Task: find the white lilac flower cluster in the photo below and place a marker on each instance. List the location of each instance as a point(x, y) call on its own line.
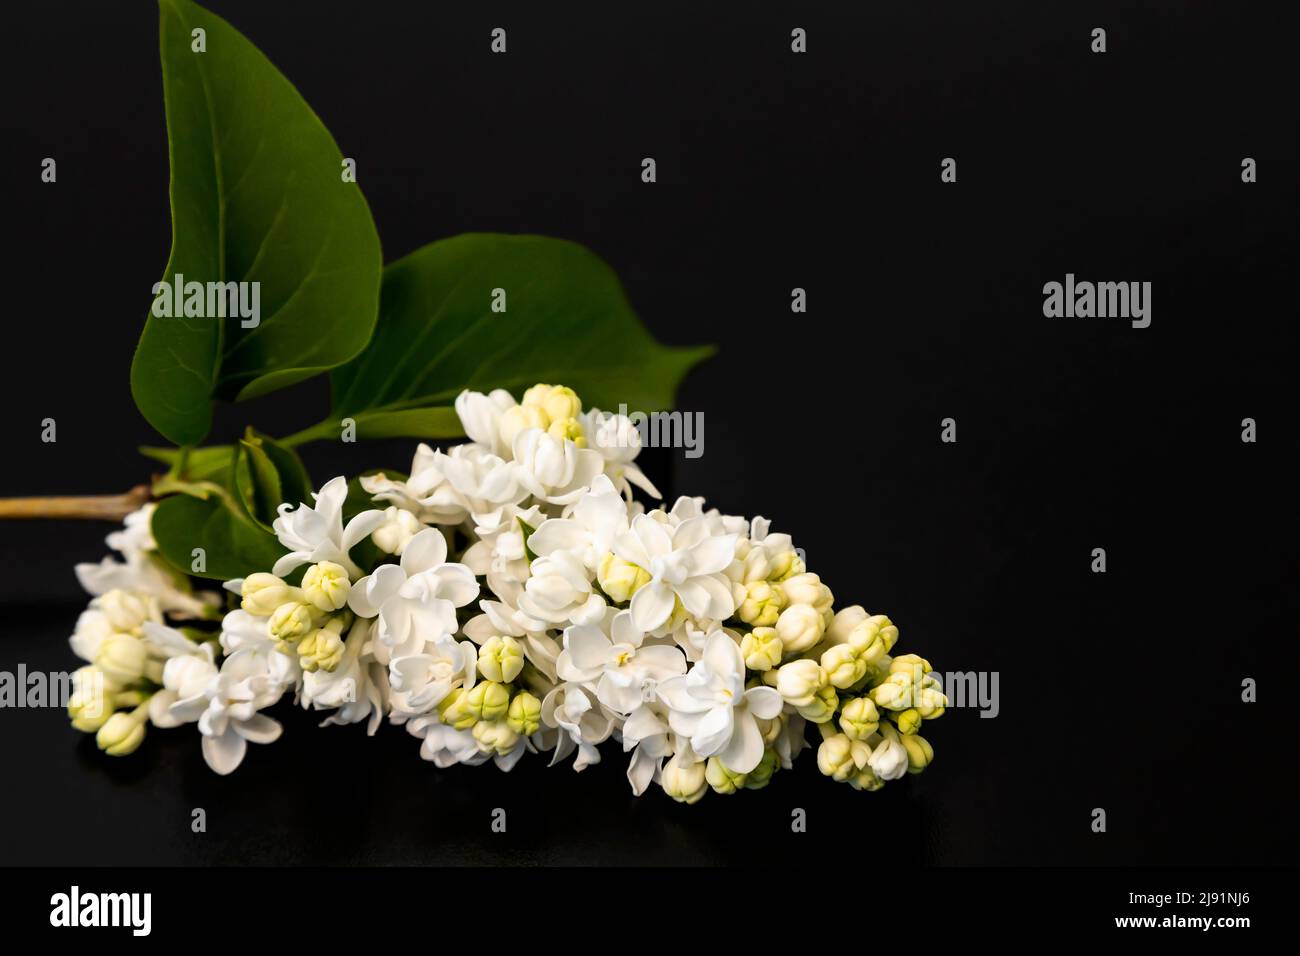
point(523, 601)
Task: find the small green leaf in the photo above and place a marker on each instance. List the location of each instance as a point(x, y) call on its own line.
point(526, 530)
point(233, 546)
point(257, 196)
point(566, 322)
point(199, 464)
point(439, 422)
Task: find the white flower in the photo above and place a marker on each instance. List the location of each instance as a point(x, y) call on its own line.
point(427, 493)
point(143, 571)
point(554, 469)
point(317, 534)
point(444, 745)
point(188, 674)
point(243, 687)
point(415, 600)
point(396, 532)
point(480, 415)
point(683, 562)
point(355, 690)
point(647, 735)
point(92, 629)
point(618, 442)
point(422, 681)
point(612, 660)
point(597, 519)
point(711, 706)
point(500, 553)
point(559, 591)
point(247, 636)
point(575, 711)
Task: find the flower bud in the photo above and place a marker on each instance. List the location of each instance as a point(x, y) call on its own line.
point(919, 752)
point(263, 593)
point(620, 579)
point(799, 681)
point(568, 429)
point(122, 657)
point(535, 396)
point(322, 649)
point(822, 707)
point(326, 586)
point(518, 417)
point(121, 734)
point(912, 664)
point(399, 527)
point(859, 718)
point(127, 611)
point(500, 659)
point(760, 776)
point(762, 649)
point(453, 712)
point(908, 721)
point(92, 701)
point(495, 736)
point(784, 564)
point(800, 626)
point(866, 779)
point(762, 603)
point(807, 588)
point(486, 701)
point(895, 693)
point(721, 779)
point(840, 758)
point(684, 782)
point(525, 714)
point(290, 623)
point(561, 403)
point(872, 638)
point(889, 760)
point(843, 666)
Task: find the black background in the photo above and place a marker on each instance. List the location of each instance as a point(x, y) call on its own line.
point(1119, 690)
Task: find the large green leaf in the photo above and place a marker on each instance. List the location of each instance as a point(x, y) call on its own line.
point(233, 545)
point(566, 321)
point(257, 195)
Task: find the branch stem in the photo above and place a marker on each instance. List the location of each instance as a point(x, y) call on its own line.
point(90, 507)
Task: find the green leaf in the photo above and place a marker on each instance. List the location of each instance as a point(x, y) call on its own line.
point(256, 196)
point(267, 474)
point(526, 531)
point(200, 464)
point(567, 322)
point(440, 422)
point(233, 545)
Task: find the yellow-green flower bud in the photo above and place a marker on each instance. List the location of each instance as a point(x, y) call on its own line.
point(840, 758)
point(843, 666)
point(290, 623)
point(822, 708)
point(770, 730)
point(561, 403)
point(912, 664)
point(322, 649)
point(453, 712)
point(799, 681)
point(721, 779)
point(515, 419)
point(500, 659)
point(121, 734)
point(525, 714)
point(620, 579)
point(800, 627)
point(263, 593)
point(760, 776)
point(895, 693)
point(807, 588)
point(762, 604)
point(783, 565)
point(762, 649)
point(866, 779)
point(486, 701)
point(495, 736)
point(684, 782)
point(93, 699)
point(908, 721)
point(568, 429)
point(859, 718)
point(122, 658)
point(872, 636)
point(919, 752)
point(326, 586)
point(536, 395)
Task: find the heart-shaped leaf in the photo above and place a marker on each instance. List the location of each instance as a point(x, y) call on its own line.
point(258, 198)
point(486, 311)
point(232, 546)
